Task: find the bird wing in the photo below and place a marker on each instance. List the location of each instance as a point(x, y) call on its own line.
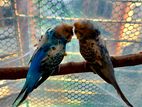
point(102, 64)
point(33, 74)
point(42, 41)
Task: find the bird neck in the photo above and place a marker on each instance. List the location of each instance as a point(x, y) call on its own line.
point(97, 38)
point(63, 39)
point(52, 34)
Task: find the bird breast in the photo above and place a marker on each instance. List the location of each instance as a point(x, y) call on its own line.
point(90, 50)
point(54, 56)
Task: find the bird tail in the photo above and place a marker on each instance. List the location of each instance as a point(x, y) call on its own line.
point(116, 86)
point(22, 96)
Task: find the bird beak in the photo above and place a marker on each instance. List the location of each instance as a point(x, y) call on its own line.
point(78, 35)
point(75, 33)
point(69, 38)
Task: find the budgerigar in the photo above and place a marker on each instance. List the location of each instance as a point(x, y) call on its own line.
point(49, 54)
point(94, 51)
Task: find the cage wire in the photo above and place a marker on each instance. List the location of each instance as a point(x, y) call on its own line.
point(22, 22)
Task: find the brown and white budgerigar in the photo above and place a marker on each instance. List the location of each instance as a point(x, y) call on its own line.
point(94, 51)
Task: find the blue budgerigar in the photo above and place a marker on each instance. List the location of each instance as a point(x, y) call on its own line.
point(94, 51)
point(49, 54)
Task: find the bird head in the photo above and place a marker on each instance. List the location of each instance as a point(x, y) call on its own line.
point(64, 31)
point(85, 29)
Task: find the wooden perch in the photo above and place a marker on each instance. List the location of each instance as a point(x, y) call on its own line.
point(72, 67)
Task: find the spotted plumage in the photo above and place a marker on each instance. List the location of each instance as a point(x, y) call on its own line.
point(48, 55)
point(93, 50)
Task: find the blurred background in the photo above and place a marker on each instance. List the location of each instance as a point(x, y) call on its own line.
point(22, 22)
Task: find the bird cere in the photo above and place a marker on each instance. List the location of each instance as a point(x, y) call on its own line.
point(51, 51)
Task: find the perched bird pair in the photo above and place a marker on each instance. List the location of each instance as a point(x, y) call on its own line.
point(49, 54)
point(51, 51)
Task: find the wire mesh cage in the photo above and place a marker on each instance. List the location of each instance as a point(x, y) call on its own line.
point(22, 22)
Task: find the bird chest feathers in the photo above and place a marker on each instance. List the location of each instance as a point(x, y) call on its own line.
point(90, 50)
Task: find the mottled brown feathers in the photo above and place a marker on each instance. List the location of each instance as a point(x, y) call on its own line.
point(64, 30)
point(85, 29)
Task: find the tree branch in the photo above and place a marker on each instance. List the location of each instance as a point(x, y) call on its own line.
point(72, 67)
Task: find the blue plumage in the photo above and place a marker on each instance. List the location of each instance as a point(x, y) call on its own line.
point(49, 55)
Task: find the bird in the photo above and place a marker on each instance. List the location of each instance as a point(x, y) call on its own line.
point(94, 51)
point(48, 55)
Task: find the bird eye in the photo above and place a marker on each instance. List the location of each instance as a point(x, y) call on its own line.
point(66, 30)
point(92, 44)
point(82, 28)
point(53, 48)
point(75, 31)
